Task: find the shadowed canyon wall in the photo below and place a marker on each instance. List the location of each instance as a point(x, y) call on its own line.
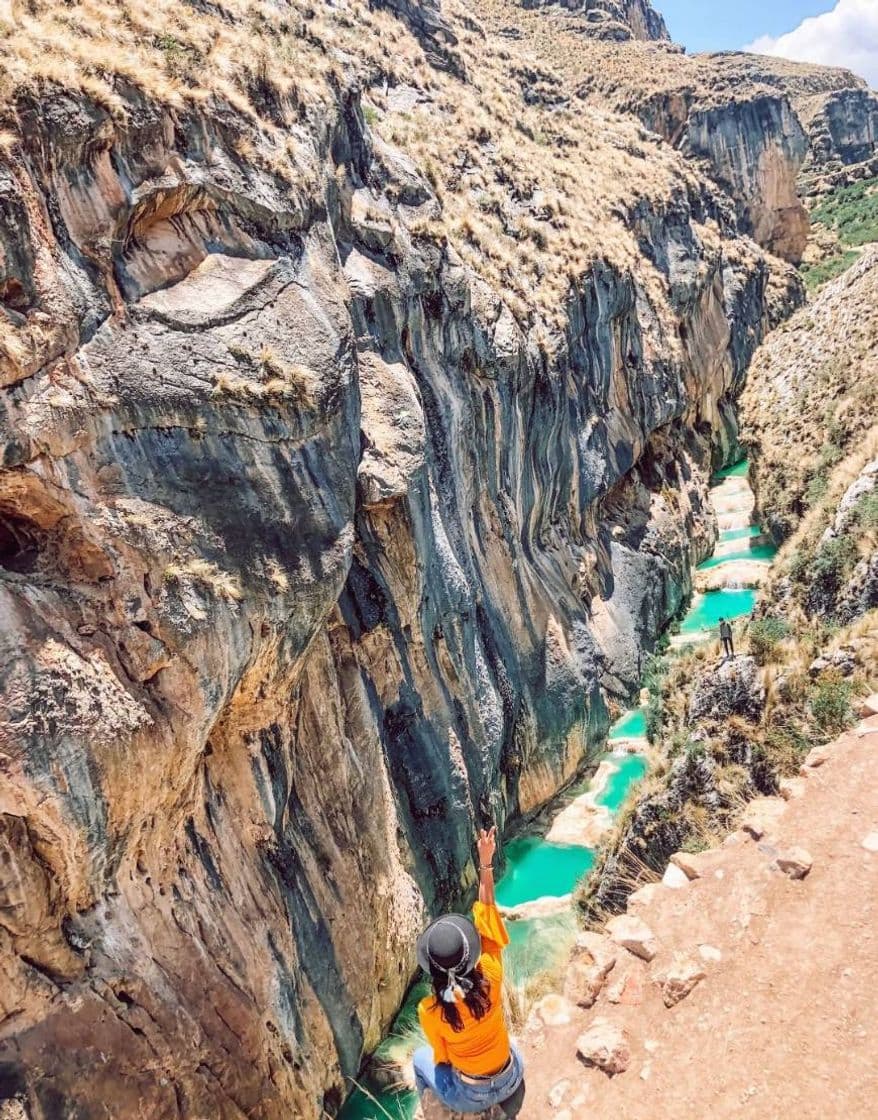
point(313, 556)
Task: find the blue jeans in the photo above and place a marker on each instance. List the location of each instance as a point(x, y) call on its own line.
point(465, 1096)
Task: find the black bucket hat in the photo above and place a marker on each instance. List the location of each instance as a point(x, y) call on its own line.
point(451, 944)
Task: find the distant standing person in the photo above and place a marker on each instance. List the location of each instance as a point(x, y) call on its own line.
point(728, 639)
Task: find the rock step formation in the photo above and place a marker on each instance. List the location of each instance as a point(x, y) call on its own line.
point(761, 934)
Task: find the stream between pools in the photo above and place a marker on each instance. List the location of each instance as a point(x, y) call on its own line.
point(539, 869)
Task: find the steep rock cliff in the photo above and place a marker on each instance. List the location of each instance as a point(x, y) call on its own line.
point(318, 544)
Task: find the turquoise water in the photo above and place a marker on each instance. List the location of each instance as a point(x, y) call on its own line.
point(708, 609)
point(631, 726)
point(539, 944)
point(740, 534)
point(754, 552)
point(538, 869)
point(737, 470)
point(631, 769)
point(399, 1106)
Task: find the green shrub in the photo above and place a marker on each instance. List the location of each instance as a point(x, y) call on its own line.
point(831, 565)
point(852, 212)
point(785, 747)
point(866, 510)
point(831, 703)
point(765, 636)
point(816, 489)
point(816, 275)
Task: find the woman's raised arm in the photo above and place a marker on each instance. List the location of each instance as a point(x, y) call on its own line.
point(487, 845)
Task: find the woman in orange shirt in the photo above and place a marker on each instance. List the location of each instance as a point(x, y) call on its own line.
point(470, 1063)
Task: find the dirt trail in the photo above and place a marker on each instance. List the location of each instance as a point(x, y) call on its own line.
point(784, 1023)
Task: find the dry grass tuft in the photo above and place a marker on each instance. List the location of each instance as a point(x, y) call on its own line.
point(208, 575)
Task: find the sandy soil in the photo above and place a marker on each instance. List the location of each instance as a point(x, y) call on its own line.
point(785, 1022)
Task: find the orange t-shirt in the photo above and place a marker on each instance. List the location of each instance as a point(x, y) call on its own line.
point(482, 1047)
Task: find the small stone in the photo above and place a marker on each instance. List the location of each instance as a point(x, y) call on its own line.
point(646, 1072)
point(634, 935)
point(554, 1010)
point(606, 1046)
point(818, 756)
point(795, 862)
point(674, 877)
point(709, 953)
point(643, 896)
point(593, 959)
point(583, 983)
point(791, 789)
point(596, 948)
point(679, 978)
point(869, 707)
point(871, 842)
point(557, 1093)
point(650, 1046)
point(627, 985)
point(762, 816)
point(690, 863)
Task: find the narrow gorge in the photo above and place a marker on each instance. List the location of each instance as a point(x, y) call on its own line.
point(363, 371)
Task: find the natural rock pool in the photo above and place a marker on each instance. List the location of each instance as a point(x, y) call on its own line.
point(538, 869)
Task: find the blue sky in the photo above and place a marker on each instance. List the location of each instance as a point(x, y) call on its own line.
point(829, 32)
point(705, 25)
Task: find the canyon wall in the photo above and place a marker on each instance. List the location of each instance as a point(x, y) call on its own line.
point(316, 551)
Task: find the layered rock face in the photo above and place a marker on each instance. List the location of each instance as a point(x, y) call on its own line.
point(756, 152)
point(836, 109)
point(314, 554)
point(615, 20)
point(846, 130)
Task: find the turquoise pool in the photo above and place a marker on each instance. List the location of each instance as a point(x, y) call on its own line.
point(740, 534)
point(737, 470)
point(538, 869)
point(631, 726)
point(630, 770)
point(754, 552)
point(708, 609)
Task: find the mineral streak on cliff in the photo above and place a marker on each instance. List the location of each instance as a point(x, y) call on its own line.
point(355, 436)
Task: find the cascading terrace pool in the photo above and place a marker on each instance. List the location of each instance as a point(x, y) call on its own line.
point(538, 869)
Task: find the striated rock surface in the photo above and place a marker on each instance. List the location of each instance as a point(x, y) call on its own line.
point(614, 20)
point(329, 514)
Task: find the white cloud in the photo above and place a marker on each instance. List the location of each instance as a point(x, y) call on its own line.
point(846, 36)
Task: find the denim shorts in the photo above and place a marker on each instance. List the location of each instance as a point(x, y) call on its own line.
point(466, 1096)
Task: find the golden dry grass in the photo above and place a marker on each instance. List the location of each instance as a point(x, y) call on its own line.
point(530, 197)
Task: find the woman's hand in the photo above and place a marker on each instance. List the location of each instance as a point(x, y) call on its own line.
point(487, 846)
point(486, 842)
